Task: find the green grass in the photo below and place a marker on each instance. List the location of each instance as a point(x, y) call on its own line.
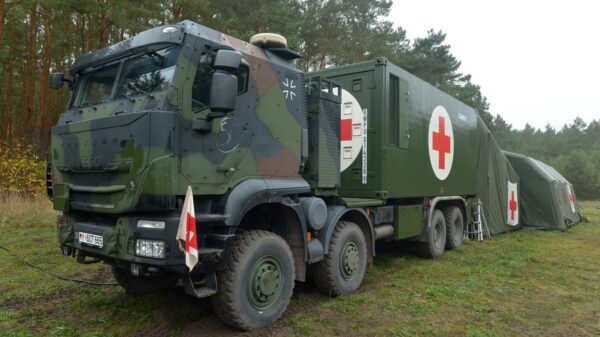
point(525, 283)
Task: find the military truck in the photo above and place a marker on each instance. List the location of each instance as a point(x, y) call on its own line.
point(287, 169)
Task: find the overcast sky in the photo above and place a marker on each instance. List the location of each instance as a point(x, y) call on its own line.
point(537, 62)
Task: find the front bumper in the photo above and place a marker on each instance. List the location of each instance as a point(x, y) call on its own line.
point(119, 235)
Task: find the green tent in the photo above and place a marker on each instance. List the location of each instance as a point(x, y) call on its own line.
point(497, 185)
point(547, 198)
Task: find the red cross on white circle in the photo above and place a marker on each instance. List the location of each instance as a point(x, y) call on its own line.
point(512, 215)
point(441, 142)
point(352, 134)
point(570, 197)
point(512, 205)
point(346, 129)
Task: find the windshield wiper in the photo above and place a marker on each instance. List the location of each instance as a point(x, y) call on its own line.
point(138, 92)
point(130, 98)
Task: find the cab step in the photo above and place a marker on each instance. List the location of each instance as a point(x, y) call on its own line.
point(207, 288)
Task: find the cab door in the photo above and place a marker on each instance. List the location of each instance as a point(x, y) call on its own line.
point(214, 146)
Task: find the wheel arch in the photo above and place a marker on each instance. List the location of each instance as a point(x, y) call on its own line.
point(267, 204)
point(440, 202)
point(253, 192)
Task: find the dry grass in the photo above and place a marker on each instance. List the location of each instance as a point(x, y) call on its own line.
point(17, 210)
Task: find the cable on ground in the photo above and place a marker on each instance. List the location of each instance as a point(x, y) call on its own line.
point(60, 277)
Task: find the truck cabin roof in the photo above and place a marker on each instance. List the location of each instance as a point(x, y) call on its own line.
point(163, 36)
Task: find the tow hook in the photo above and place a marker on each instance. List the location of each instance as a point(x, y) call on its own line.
point(83, 259)
point(66, 251)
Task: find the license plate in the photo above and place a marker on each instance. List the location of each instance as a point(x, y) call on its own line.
point(91, 239)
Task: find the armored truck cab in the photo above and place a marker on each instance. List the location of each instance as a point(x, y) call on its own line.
point(261, 148)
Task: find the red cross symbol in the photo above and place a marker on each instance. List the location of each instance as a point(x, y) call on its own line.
point(570, 196)
point(441, 143)
point(346, 129)
point(512, 205)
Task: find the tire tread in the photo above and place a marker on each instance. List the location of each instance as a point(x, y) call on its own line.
point(426, 249)
point(224, 300)
point(324, 273)
point(448, 215)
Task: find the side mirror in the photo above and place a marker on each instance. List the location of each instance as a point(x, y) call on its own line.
point(227, 60)
point(57, 80)
point(223, 91)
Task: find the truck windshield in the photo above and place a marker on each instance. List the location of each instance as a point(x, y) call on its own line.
point(142, 74)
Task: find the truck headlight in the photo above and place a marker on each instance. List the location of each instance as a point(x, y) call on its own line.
point(151, 224)
point(150, 248)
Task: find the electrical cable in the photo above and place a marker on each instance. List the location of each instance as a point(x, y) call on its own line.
point(60, 277)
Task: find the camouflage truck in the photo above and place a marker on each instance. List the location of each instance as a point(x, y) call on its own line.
point(287, 169)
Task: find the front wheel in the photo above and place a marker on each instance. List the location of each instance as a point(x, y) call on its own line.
point(258, 280)
point(343, 268)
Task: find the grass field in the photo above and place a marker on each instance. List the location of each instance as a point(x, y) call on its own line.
point(525, 283)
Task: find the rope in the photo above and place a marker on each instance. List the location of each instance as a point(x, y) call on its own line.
point(60, 277)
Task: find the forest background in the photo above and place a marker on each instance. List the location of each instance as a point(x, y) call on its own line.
point(40, 37)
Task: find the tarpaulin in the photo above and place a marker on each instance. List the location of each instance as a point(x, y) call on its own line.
point(547, 198)
point(498, 184)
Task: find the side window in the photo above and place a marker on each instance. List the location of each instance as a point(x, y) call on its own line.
point(203, 80)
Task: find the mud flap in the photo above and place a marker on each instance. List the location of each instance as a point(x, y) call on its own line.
point(64, 233)
point(61, 197)
point(110, 240)
point(124, 239)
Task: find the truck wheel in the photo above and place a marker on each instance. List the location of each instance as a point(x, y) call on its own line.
point(435, 236)
point(343, 268)
point(257, 282)
point(454, 227)
point(145, 284)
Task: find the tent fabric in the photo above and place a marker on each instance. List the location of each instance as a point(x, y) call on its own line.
point(494, 176)
point(547, 198)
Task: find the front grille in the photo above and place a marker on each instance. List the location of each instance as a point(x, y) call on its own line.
point(96, 200)
point(98, 178)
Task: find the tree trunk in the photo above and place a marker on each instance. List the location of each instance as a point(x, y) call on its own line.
point(2, 112)
point(9, 80)
point(89, 33)
point(322, 61)
point(43, 102)
point(177, 12)
point(103, 27)
point(1, 19)
point(81, 32)
point(29, 72)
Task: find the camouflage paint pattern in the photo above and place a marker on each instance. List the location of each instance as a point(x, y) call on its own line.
point(140, 153)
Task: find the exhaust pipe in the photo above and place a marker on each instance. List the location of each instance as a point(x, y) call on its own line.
point(384, 231)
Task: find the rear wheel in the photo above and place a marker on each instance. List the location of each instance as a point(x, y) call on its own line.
point(258, 280)
point(435, 236)
point(343, 268)
point(454, 227)
point(144, 284)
